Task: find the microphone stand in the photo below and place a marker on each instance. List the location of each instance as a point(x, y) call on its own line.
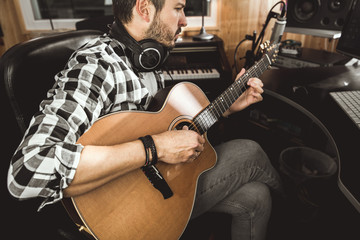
point(203, 35)
point(50, 18)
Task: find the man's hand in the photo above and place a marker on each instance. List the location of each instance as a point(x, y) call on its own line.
point(178, 146)
point(250, 96)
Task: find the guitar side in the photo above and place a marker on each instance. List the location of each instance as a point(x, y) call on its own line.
point(129, 207)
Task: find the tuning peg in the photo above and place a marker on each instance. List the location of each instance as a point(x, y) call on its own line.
point(262, 48)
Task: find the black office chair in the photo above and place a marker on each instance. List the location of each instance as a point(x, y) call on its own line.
point(98, 23)
point(27, 71)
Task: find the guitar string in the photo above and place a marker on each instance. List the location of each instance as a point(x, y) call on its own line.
point(210, 114)
point(239, 86)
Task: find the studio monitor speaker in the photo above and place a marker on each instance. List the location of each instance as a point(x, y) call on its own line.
point(317, 14)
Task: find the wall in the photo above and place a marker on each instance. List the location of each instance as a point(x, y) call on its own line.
point(241, 17)
point(11, 23)
point(236, 19)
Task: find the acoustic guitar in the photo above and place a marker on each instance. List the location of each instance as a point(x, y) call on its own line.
point(155, 202)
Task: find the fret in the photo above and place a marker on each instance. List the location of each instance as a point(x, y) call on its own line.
point(211, 119)
point(262, 66)
point(206, 118)
point(200, 127)
point(242, 84)
point(255, 72)
point(228, 98)
point(268, 59)
point(220, 103)
point(231, 90)
point(200, 124)
point(214, 110)
point(225, 100)
point(258, 71)
point(239, 84)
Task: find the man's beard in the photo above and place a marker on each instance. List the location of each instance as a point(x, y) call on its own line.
point(161, 33)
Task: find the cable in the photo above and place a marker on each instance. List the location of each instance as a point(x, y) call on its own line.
point(247, 37)
point(235, 54)
point(251, 57)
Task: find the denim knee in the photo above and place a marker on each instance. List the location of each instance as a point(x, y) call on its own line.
point(254, 150)
point(244, 152)
point(255, 199)
point(249, 161)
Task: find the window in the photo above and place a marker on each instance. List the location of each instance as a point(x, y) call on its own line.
point(193, 12)
point(55, 14)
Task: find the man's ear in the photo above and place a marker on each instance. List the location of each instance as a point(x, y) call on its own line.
point(143, 9)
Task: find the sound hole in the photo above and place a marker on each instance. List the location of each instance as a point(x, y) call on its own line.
point(180, 125)
point(185, 122)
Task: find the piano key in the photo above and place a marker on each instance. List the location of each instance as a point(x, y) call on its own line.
point(188, 74)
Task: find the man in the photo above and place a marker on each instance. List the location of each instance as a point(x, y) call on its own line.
point(101, 78)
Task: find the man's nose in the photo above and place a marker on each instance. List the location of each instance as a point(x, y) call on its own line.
point(183, 20)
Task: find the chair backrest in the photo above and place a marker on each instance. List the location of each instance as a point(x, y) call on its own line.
point(27, 69)
point(98, 23)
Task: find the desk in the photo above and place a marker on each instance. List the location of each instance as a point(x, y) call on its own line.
point(309, 87)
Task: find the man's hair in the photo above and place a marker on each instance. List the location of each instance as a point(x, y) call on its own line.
point(123, 9)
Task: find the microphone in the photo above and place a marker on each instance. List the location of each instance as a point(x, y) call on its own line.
point(278, 29)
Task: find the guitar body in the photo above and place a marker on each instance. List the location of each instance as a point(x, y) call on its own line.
point(129, 207)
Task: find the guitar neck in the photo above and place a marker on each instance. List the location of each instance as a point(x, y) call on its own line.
point(211, 114)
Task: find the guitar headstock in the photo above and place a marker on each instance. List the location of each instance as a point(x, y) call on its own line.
point(270, 50)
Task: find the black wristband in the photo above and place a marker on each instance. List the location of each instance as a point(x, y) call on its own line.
point(149, 145)
point(154, 159)
point(147, 159)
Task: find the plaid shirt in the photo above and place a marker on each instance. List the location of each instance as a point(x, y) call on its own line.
point(97, 80)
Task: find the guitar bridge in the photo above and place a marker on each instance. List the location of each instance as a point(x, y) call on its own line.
point(157, 180)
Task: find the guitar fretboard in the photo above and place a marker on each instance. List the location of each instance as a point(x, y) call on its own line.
point(211, 114)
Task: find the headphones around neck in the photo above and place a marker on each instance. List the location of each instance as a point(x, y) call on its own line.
point(146, 55)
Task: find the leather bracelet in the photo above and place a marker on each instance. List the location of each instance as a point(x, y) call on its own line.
point(154, 155)
point(149, 145)
point(147, 159)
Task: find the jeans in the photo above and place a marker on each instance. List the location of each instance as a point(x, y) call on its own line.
point(239, 185)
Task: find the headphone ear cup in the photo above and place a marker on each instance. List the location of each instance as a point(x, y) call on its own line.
point(146, 55)
point(153, 54)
